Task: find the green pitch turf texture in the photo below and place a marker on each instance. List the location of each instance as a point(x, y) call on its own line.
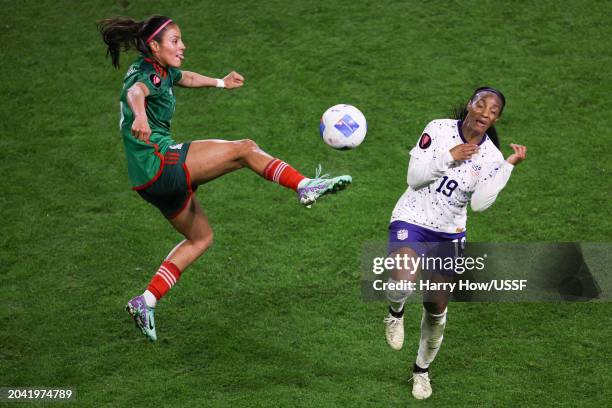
point(271, 315)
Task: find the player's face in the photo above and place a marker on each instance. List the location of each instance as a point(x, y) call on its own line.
point(483, 111)
point(171, 48)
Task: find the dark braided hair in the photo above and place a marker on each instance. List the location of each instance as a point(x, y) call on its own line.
point(124, 33)
point(460, 112)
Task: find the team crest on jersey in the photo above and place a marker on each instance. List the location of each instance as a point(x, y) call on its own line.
point(155, 80)
point(475, 170)
point(425, 141)
point(402, 234)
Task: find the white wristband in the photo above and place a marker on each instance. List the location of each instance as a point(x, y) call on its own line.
point(220, 83)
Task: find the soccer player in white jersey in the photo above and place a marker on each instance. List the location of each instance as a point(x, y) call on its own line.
point(455, 163)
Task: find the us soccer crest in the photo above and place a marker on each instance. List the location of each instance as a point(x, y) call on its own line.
point(402, 234)
point(475, 170)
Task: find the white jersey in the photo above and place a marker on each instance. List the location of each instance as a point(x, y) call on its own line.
point(440, 188)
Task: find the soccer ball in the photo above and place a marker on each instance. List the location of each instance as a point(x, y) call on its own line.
point(343, 127)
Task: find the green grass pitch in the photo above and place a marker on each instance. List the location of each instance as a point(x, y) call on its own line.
point(272, 314)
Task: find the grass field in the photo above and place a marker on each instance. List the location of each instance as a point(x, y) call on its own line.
point(272, 314)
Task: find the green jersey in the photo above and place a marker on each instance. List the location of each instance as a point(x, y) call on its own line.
point(144, 159)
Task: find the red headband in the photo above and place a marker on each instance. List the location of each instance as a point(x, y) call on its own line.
point(161, 27)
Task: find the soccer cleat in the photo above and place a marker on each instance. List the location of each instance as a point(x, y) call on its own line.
point(421, 386)
point(143, 316)
point(311, 189)
point(394, 331)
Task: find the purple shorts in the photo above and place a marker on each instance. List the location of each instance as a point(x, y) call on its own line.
point(425, 242)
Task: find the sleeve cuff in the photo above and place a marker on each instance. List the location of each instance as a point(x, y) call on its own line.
point(448, 158)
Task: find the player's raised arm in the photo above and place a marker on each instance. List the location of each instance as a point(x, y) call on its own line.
point(429, 161)
point(495, 180)
point(194, 80)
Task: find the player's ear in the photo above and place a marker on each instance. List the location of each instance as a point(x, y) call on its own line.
point(154, 45)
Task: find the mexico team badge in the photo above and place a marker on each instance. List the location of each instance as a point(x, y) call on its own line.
point(155, 80)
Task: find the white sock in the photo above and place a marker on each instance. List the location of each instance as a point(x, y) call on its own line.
point(432, 334)
point(397, 297)
point(303, 182)
point(150, 298)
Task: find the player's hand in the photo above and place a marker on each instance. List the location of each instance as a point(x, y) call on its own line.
point(463, 151)
point(520, 152)
point(233, 80)
point(141, 129)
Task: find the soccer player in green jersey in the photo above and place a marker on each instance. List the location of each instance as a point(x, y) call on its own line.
point(165, 173)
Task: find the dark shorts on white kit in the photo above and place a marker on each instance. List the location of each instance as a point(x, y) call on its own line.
point(425, 242)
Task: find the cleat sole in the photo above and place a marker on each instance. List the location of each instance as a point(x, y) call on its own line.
point(136, 318)
point(339, 186)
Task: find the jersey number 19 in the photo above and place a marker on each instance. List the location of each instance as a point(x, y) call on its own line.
point(449, 188)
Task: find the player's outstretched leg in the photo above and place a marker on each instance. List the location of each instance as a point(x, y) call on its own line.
point(209, 159)
point(193, 224)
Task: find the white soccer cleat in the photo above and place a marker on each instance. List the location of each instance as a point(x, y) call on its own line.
point(421, 386)
point(394, 331)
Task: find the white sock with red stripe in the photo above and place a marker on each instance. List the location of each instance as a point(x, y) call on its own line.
point(283, 174)
point(166, 277)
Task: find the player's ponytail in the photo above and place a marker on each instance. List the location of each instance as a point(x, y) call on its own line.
point(460, 112)
point(124, 33)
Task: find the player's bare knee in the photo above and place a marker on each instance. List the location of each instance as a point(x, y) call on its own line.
point(247, 146)
point(203, 243)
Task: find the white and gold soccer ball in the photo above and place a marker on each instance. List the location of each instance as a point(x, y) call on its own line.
point(343, 127)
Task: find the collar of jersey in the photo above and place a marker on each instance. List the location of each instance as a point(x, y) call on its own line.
point(161, 70)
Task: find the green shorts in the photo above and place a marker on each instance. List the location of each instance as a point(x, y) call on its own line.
point(173, 188)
